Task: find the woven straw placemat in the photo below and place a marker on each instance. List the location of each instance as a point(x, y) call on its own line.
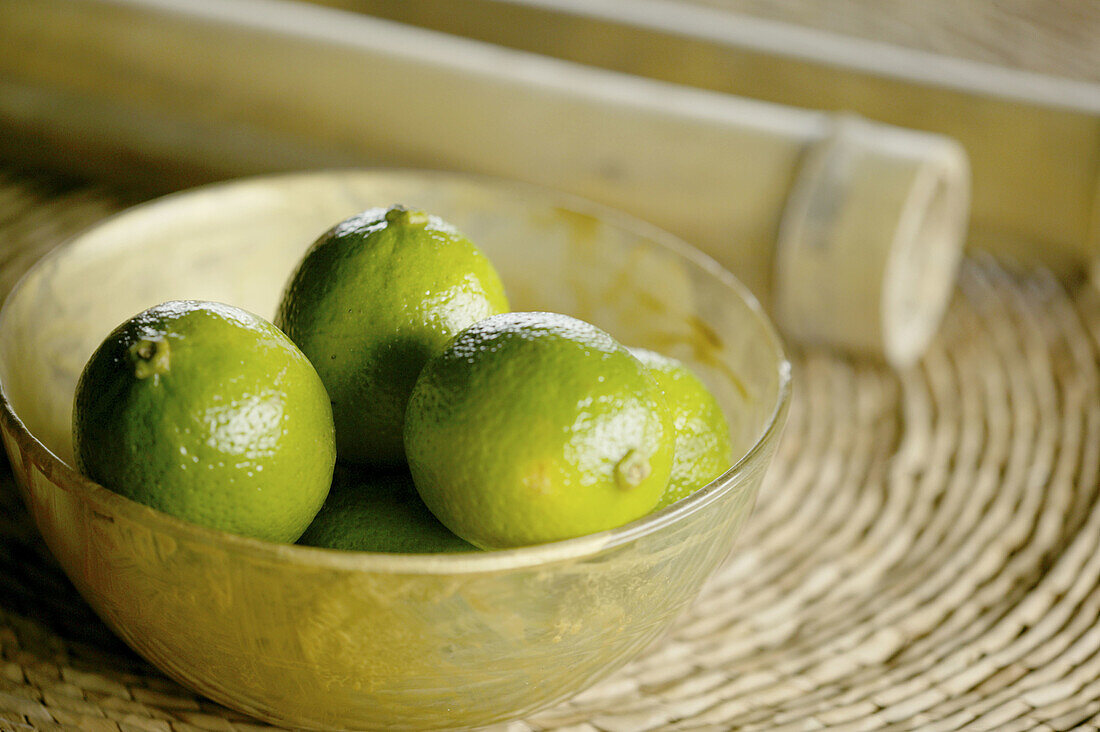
point(925, 553)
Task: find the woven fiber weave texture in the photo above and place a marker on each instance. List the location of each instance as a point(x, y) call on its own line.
point(925, 553)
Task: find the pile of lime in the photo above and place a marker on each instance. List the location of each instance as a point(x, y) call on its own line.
point(395, 404)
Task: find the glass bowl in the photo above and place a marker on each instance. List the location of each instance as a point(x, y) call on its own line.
point(327, 639)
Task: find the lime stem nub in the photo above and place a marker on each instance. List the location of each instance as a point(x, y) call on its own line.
point(632, 470)
point(150, 357)
point(398, 214)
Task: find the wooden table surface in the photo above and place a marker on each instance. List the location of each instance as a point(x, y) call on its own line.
point(1060, 38)
point(1056, 37)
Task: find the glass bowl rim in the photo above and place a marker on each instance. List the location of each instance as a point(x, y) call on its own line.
point(65, 477)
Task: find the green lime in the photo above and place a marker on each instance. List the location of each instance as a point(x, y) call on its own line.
point(209, 413)
point(372, 299)
point(367, 512)
point(703, 447)
point(533, 427)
